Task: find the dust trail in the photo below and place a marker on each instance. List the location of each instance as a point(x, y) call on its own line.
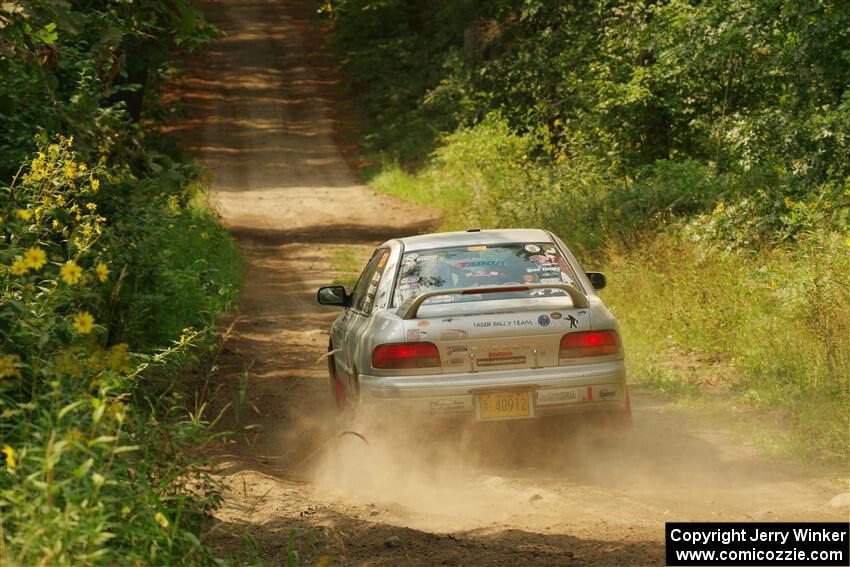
point(540, 474)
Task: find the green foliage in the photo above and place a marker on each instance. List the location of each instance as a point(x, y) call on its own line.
point(99, 465)
point(108, 261)
point(86, 69)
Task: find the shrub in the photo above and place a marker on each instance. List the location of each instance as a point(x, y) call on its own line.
point(96, 442)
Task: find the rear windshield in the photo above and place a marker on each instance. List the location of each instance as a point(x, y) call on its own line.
point(481, 266)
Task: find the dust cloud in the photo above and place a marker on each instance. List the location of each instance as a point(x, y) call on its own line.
point(554, 474)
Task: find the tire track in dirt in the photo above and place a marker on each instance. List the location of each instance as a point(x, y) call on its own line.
point(259, 121)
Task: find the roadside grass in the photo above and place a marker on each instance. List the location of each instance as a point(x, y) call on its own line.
point(769, 331)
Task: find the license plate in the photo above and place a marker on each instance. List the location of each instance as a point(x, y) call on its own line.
point(499, 405)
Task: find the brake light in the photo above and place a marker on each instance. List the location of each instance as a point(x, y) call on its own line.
point(589, 343)
point(406, 355)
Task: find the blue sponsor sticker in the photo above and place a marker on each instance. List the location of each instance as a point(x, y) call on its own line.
point(543, 320)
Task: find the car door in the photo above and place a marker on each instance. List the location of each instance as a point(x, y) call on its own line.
point(357, 315)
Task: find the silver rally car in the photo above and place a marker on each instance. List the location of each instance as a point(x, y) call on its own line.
point(493, 324)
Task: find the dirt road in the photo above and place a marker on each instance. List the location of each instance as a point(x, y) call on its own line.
point(259, 120)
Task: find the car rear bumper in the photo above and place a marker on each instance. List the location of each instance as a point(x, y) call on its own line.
point(585, 388)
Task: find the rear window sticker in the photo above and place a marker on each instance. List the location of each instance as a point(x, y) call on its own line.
point(383, 261)
point(467, 265)
point(550, 280)
point(532, 248)
point(409, 279)
point(550, 250)
point(548, 259)
point(479, 248)
point(527, 278)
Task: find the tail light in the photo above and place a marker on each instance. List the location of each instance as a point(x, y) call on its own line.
point(406, 355)
point(589, 343)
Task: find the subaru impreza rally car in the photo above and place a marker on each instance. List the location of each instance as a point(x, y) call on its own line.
point(487, 324)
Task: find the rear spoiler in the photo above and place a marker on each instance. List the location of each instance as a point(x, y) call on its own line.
point(410, 308)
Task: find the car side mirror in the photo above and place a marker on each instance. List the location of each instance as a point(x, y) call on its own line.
point(333, 295)
point(597, 280)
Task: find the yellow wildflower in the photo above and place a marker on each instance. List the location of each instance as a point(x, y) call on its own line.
point(23, 214)
point(102, 272)
point(161, 519)
point(71, 272)
point(95, 184)
point(83, 167)
point(83, 322)
point(35, 258)
point(789, 202)
point(91, 207)
point(19, 268)
point(56, 225)
point(9, 457)
point(721, 206)
point(70, 169)
point(7, 366)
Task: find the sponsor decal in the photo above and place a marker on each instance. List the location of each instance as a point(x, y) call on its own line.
point(453, 335)
point(455, 361)
point(503, 360)
point(479, 264)
point(555, 315)
point(448, 405)
point(424, 323)
point(573, 322)
point(560, 396)
point(453, 349)
point(605, 393)
point(543, 320)
point(509, 323)
point(545, 259)
point(532, 248)
point(499, 354)
point(414, 334)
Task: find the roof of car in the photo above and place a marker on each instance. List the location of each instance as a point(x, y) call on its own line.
point(473, 237)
